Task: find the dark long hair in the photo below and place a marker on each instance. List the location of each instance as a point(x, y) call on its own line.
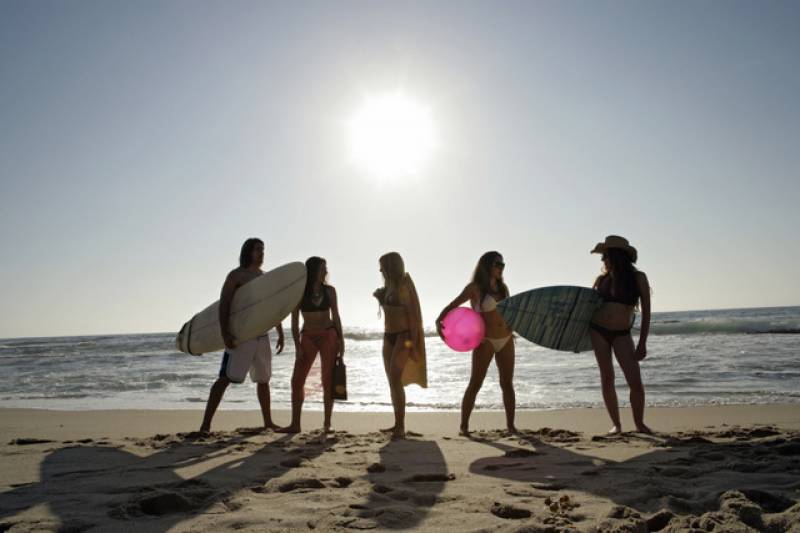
point(622, 272)
point(313, 266)
point(246, 255)
point(483, 275)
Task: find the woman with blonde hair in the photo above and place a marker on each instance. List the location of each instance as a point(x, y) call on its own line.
point(403, 338)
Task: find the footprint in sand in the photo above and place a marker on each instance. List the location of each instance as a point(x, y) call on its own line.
point(509, 512)
point(302, 483)
point(167, 499)
point(521, 452)
point(518, 492)
point(423, 499)
point(553, 435)
point(376, 468)
point(382, 489)
point(385, 517)
point(738, 511)
point(343, 482)
point(429, 478)
point(26, 441)
point(547, 485)
point(501, 466)
point(294, 462)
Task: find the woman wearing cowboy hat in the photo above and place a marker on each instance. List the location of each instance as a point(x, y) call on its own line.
point(623, 288)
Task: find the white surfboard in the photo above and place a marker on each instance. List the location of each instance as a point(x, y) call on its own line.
point(257, 306)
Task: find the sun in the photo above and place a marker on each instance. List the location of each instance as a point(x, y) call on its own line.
point(391, 136)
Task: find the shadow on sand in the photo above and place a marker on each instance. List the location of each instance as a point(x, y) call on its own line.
point(755, 473)
point(82, 488)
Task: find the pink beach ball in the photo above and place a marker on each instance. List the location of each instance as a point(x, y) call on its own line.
point(463, 329)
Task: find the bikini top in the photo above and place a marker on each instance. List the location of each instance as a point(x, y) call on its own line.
point(307, 306)
point(629, 295)
point(488, 304)
point(399, 298)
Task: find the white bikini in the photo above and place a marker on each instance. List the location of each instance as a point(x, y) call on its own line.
point(487, 305)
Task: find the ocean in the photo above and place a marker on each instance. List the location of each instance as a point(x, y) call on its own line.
point(737, 356)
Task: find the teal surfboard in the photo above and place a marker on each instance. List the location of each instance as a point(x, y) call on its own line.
point(553, 317)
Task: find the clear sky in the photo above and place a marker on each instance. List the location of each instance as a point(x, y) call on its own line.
point(142, 142)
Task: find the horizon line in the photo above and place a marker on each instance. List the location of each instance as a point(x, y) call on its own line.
point(345, 327)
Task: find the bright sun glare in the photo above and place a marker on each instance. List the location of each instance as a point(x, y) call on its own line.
point(391, 136)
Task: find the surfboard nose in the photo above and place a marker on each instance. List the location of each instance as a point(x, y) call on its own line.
point(179, 339)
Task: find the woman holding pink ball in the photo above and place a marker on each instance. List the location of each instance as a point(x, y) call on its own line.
point(486, 289)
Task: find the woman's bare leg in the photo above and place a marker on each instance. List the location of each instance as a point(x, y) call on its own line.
point(397, 362)
point(327, 357)
point(602, 352)
point(387, 360)
point(504, 359)
point(481, 357)
point(624, 351)
point(299, 376)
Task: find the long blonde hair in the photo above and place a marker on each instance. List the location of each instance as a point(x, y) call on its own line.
point(394, 273)
point(396, 279)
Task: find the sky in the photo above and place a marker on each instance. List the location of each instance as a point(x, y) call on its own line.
point(142, 142)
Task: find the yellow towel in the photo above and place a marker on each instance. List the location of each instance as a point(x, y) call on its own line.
point(415, 370)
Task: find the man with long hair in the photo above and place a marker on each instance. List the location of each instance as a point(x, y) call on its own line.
point(254, 355)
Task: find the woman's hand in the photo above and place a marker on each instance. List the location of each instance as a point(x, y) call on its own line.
point(411, 344)
point(641, 351)
point(440, 328)
point(279, 344)
point(340, 352)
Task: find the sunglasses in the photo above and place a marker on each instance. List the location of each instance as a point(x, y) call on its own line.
point(499, 264)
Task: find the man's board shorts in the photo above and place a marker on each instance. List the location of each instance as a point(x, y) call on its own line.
point(254, 356)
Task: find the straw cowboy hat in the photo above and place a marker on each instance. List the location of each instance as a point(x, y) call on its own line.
point(615, 241)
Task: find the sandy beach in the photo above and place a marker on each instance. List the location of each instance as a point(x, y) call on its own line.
point(730, 468)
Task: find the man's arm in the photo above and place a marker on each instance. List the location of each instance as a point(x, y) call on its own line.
point(225, 300)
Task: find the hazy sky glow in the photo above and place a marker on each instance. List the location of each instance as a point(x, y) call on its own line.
point(142, 142)
point(392, 136)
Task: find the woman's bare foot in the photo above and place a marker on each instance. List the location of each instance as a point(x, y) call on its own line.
point(641, 428)
point(616, 430)
point(398, 433)
point(463, 431)
point(204, 430)
point(512, 430)
point(327, 429)
point(288, 429)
